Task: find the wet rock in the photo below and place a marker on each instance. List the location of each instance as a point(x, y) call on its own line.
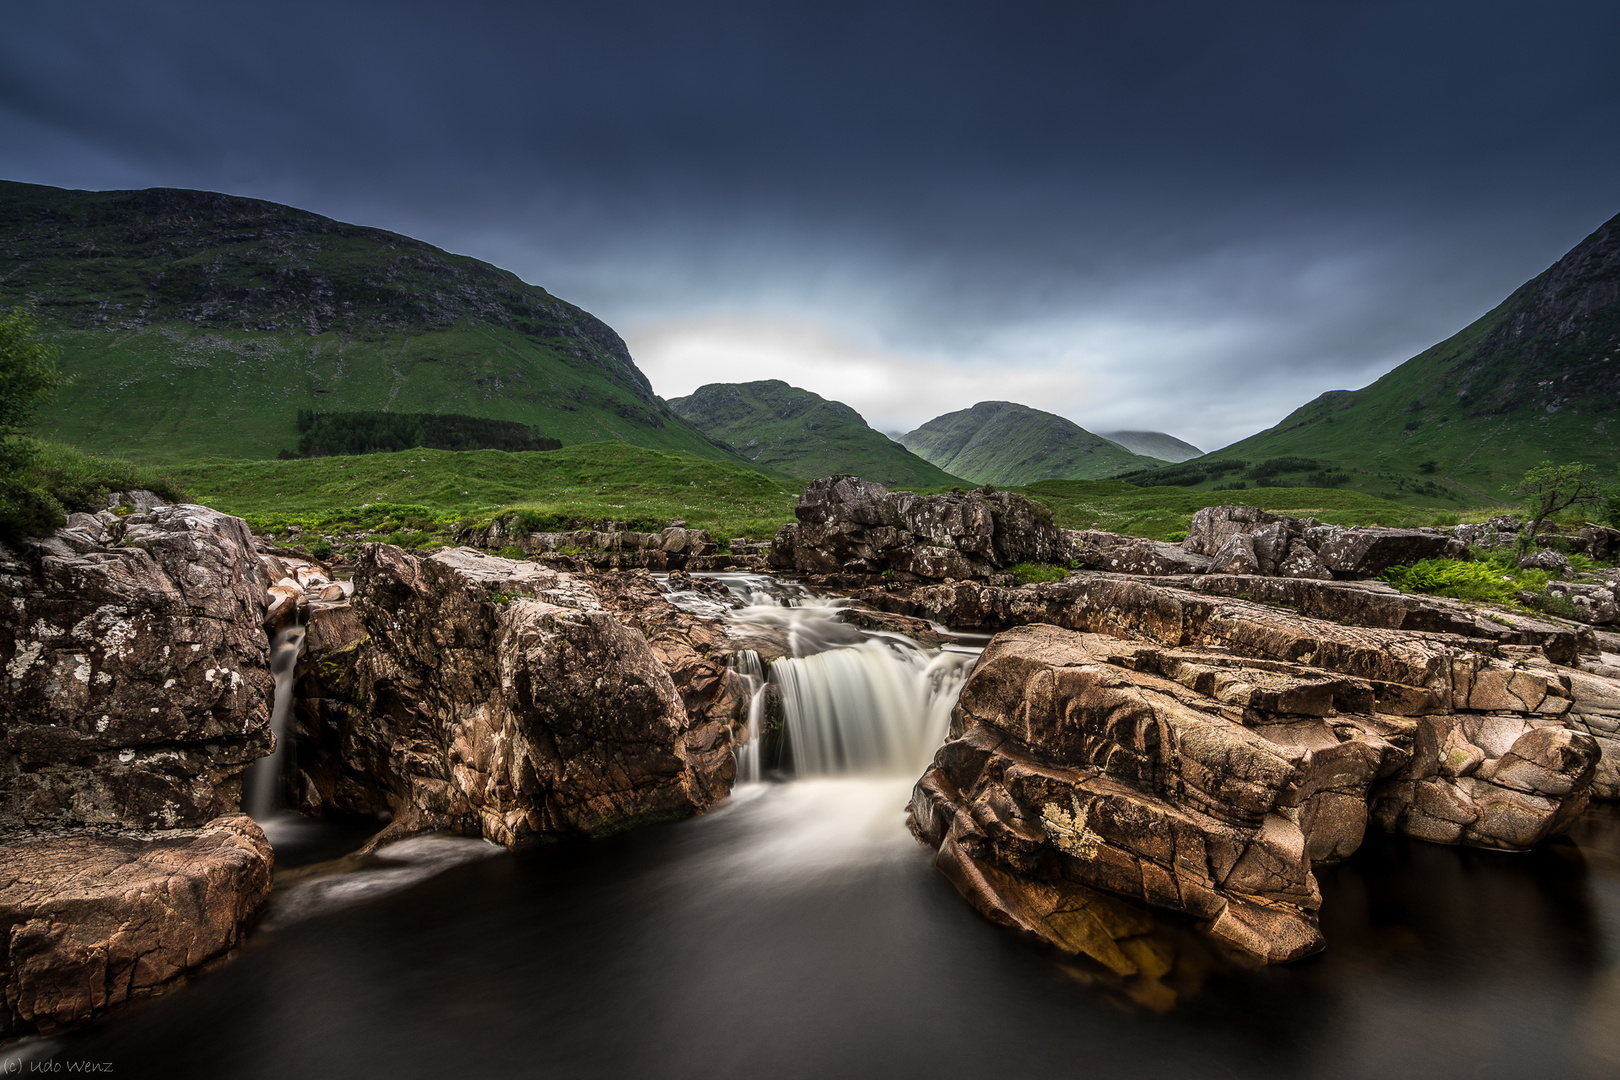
point(507, 699)
point(1420, 656)
point(91, 920)
point(1595, 710)
point(136, 685)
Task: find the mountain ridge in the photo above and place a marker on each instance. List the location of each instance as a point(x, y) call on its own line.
point(199, 323)
point(1535, 378)
point(796, 432)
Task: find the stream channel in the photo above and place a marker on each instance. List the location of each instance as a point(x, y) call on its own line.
point(797, 930)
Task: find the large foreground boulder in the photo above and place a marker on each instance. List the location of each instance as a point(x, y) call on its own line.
point(90, 920)
point(506, 699)
point(849, 525)
point(1207, 765)
point(136, 686)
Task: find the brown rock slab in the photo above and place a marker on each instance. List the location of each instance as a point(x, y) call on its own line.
point(94, 919)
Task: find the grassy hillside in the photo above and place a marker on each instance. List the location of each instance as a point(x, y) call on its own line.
point(1537, 378)
point(595, 482)
point(794, 432)
point(999, 442)
point(199, 324)
point(1154, 444)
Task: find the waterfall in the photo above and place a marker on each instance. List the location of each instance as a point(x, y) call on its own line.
point(751, 672)
point(852, 701)
point(879, 707)
point(263, 781)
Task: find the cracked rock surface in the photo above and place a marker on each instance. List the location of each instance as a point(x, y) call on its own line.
point(136, 686)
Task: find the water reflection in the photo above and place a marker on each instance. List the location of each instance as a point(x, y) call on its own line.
point(799, 930)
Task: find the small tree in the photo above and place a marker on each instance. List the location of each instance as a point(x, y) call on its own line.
point(28, 373)
point(1611, 507)
point(1550, 489)
point(28, 376)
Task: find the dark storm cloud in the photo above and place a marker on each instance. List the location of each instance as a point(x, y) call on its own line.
point(1185, 216)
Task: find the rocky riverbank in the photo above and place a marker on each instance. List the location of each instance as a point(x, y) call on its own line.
point(1199, 726)
point(460, 691)
point(1195, 727)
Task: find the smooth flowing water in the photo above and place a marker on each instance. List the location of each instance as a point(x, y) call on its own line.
point(797, 930)
point(262, 783)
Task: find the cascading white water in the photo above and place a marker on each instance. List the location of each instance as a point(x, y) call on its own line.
point(854, 702)
point(263, 779)
point(880, 707)
point(752, 673)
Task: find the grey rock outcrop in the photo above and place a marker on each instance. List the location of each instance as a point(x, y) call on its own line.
point(849, 525)
point(1247, 540)
point(613, 547)
point(136, 685)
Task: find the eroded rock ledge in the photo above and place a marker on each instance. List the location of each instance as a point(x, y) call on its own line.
point(1206, 781)
point(1201, 752)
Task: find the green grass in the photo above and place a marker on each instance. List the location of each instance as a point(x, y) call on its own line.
point(1481, 582)
point(40, 482)
point(1162, 512)
point(172, 392)
point(429, 490)
point(1028, 573)
point(1535, 379)
point(198, 325)
point(1494, 577)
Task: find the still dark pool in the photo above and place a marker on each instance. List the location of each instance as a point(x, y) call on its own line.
point(798, 931)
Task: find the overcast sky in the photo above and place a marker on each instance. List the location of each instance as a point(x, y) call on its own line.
point(1190, 217)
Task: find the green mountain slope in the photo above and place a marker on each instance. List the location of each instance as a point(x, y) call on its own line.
point(199, 324)
point(1536, 378)
point(796, 433)
point(998, 442)
point(1154, 444)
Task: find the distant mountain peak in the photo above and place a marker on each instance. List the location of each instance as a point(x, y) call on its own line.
point(797, 432)
point(1003, 442)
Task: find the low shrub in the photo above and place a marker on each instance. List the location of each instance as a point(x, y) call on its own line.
point(1477, 581)
point(41, 482)
point(1494, 578)
point(1030, 572)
